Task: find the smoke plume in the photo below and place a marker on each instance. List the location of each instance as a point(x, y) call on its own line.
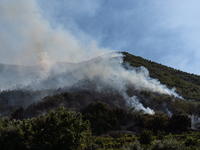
point(44, 57)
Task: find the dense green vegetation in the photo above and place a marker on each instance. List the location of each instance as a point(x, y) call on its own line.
point(51, 131)
point(60, 129)
point(89, 120)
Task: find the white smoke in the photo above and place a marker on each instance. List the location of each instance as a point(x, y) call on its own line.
point(27, 39)
point(195, 122)
point(134, 102)
point(169, 113)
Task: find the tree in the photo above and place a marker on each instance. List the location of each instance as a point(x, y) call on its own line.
point(180, 120)
point(55, 130)
point(146, 136)
point(61, 130)
point(101, 116)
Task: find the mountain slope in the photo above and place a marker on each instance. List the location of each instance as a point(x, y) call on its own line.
point(109, 76)
point(186, 84)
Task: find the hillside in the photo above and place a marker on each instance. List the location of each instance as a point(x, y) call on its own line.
point(123, 99)
point(76, 78)
point(186, 84)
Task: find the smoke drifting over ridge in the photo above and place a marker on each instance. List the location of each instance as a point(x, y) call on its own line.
point(29, 41)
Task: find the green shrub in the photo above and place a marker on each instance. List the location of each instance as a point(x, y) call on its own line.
point(118, 135)
point(6, 122)
point(158, 121)
point(190, 141)
point(101, 117)
point(55, 130)
point(67, 95)
point(133, 146)
point(180, 120)
point(172, 144)
point(160, 135)
point(157, 145)
point(146, 136)
point(92, 146)
point(168, 144)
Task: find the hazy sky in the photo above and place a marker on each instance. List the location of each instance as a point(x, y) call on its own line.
point(167, 32)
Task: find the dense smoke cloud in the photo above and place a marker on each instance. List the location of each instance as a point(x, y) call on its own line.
point(32, 44)
point(31, 40)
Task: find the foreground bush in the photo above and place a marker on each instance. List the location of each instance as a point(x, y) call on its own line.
point(133, 146)
point(55, 130)
point(190, 141)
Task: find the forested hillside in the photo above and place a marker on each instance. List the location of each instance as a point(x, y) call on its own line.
point(89, 115)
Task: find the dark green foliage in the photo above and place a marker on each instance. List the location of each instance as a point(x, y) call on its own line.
point(104, 118)
point(180, 120)
point(118, 135)
point(55, 130)
point(101, 116)
point(122, 115)
point(92, 146)
point(160, 135)
point(59, 129)
point(68, 95)
point(146, 137)
point(108, 142)
point(190, 141)
point(158, 121)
